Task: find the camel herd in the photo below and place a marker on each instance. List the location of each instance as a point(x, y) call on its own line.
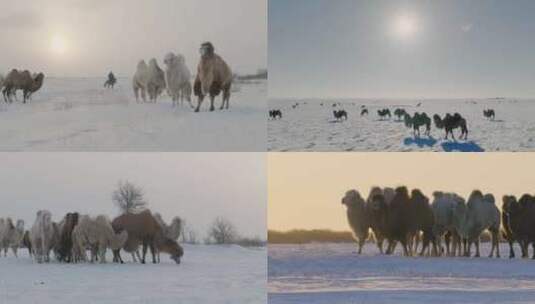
point(213, 77)
point(448, 122)
point(397, 216)
point(71, 238)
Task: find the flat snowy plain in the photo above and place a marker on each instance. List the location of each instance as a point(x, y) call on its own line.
point(78, 114)
point(207, 274)
point(334, 273)
point(312, 127)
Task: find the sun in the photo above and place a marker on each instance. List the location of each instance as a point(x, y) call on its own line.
point(405, 26)
point(58, 44)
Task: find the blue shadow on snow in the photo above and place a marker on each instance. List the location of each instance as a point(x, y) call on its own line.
point(420, 141)
point(455, 146)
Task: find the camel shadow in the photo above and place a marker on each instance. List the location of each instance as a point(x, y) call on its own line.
point(455, 146)
point(420, 141)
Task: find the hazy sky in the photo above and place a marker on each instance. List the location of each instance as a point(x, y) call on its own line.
point(90, 37)
point(196, 186)
point(408, 48)
point(305, 189)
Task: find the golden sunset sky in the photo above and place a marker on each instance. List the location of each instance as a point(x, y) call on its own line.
point(305, 189)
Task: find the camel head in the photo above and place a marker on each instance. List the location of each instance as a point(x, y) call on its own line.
point(438, 121)
point(508, 201)
point(141, 64)
point(352, 198)
point(173, 248)
point(207, 49)
point(527, 200)
point(476, 194)
point(20, 225)
point(402, 191)
point(416, 194)
point(438, 194)
point(169, 59)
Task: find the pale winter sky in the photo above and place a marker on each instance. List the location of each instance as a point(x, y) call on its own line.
point(195, 186)
point(306, 189)
point(401, 48)
point(91, 37)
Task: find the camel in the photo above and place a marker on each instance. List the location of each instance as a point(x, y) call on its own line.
point(274, 114)
point(489, 114)
point(398, 220)
point(11, 235)
point(213, 77)
point(520, 216)
point(177, 76)
point(447, 224)
point(357, 217)
point(383, 113)
point(64, 247)
point(451, 122)
point(143, 229)
point(480, 213)
point(399, 112)
point(377, 210)
point(417, 121)
point(421, 219)
point(24, 81)
point(340, 115)
point(44, 235)
point(96, 234)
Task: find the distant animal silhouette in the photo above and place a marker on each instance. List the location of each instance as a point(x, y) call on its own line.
point(489, 114)
point(451, 122)
point(274, 114)
point(364, 112)
point(383, 113)
point(340, 114)
point(417, 121)
point(399, 113)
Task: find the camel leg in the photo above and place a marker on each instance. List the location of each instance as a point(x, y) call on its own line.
point(477, 248)
point(199, 101)
point(212, 103)
point(226, 98)
point(497, 240)
point(144, 252)
point(511, 250)
point(380, 244)
point(153, 252)
point(361, 244)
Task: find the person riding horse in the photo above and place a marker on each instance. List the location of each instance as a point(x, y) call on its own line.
point(111, 81)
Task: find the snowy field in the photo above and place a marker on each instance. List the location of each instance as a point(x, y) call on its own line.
point(311, 127)
point(334, 273)
point(207, 274)
point(78, 114)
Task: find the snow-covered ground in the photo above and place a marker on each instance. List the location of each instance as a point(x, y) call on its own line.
point(311, 127)
point(78, 114)
point(334, 273)
point(207, 274)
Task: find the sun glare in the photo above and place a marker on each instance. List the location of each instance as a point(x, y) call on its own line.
point(58, 45)
point(405, 26)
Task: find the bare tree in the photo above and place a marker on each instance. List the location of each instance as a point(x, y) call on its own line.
point(222, 231)
point(129, 197)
